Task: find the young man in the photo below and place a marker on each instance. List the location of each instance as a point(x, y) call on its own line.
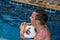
point(39, 19)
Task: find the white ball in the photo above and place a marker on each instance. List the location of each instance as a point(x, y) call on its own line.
point(30, 33)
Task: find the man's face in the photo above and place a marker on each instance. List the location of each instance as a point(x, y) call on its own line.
point(32, 18)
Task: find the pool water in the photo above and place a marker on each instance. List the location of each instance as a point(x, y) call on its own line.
point(12, 14)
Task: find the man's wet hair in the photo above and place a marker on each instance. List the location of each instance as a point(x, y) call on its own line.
point(41, 16)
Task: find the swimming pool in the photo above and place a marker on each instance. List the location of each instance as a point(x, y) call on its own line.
point(13, 13)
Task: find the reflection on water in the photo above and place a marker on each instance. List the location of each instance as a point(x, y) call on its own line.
point(3, 39)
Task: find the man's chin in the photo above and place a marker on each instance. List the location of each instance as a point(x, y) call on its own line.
point(32, 23)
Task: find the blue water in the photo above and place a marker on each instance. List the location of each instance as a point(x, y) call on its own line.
point(12, 14)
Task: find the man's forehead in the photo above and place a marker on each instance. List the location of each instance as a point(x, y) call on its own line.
point(34, 13)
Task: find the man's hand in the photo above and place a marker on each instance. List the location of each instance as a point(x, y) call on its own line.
point(22, 36)
point(23, 29)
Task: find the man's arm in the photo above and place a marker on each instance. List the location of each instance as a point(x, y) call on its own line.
point(22, 30)
point(48, 35)
point(43, 35)
point(40, 36)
